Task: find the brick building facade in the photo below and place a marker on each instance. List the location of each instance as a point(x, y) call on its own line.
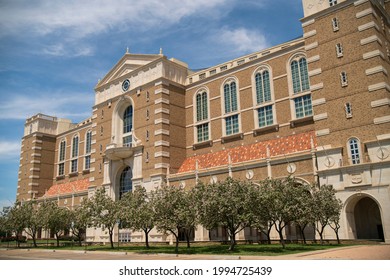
point(316, 107)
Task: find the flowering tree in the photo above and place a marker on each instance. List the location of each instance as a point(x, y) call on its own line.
point(104, 212)
point(174, 211)
point(80, 219)
point(327, 207)
point(225, 204)
point(137, 212)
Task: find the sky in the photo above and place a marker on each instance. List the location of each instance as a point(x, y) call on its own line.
point(53, 52)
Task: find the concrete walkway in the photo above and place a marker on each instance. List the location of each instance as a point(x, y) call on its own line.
point(362, 252)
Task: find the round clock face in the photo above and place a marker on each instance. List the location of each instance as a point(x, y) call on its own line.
point(329, 161)
point(126, 85)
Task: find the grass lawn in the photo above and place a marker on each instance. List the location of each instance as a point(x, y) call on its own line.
point(196, 248)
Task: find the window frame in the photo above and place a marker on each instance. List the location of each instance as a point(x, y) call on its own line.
point(75, 154)
point(88, 149)
point(230, 107)
point(201, 114)
point(354, 151)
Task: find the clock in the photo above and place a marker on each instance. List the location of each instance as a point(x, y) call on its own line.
point(329, 161)
point(291, 168)
point(126, 85)
point(382, 153)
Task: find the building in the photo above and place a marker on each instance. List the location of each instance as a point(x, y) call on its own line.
point(316, 107)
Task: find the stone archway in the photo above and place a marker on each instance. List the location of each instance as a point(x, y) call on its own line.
point(368, 220)
point(364, 218)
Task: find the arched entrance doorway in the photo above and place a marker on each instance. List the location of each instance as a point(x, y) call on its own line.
point(368, 220)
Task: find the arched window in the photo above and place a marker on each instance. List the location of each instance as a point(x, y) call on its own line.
point(263, 88)
point(127, 126)
point(61, 158)
point(354, 150)
point(202, 115)
point(125, 181)
point(231, 106)
point(300, 76)
point(88, 144)
point(201, 106)
point(230, 94)
point(75, 154)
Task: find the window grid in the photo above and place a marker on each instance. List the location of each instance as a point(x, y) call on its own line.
point(201, 106)
point(202, 132)
point(88, 142)
point(335, 24)
point(73, 166)
point(263, 88)
point(75, 146)
point(62, 151)
point(232, 126)
point(265, 116)
point(230, 94)
point(354, 150)
point(344, 79)
point(339, 50)
point(87, 162)
point(128, 119)
point(303, 106)
point(61, 169)
point(332, 2)
point(300, 76)
point(125, 182)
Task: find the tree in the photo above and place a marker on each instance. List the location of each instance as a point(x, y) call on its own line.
point(285, 198)
point(174, 211)
point(137, 212)
point(225, 204)
point(261, 201)
point(58, 220)
point(304, 215)
point(16, 222)
point(80, 218)
point(326, 208)
point(104, 212)
point(33, 214)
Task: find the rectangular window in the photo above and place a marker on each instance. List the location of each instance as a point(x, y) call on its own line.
point(127, 141)
point(202, 132)
point(88, 142)
point(73, 166)
point(303, 107)
point(87, 162)
point(339, 50)
point(62, 151)
point(265, 116)
point(75, 147)
point(61, 169)
point(232, 126)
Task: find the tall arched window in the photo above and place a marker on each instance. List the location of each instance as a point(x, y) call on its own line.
point(61, 158)
point(354, 150)
point(75, 154)
point(201, 106)
point(263, 88)
point(125, 181)
point(127, 126)
point(231, 106)
point(88, 144)
point(202, 129)
point(300, 76)
point(301, 97)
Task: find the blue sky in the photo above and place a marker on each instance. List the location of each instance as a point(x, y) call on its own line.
point(52, 52)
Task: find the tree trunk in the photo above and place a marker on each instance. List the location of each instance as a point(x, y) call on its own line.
point(58, 239)
point(188, 234)
point(110, 232)
point(232, 235)
point(146, 231)
point(302, 230)
point(281, 239)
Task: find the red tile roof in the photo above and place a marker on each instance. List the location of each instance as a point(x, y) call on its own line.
point(68, 188)
point(277, 147)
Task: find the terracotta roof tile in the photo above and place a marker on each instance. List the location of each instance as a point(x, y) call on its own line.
point(68, 188)
point(280, 146)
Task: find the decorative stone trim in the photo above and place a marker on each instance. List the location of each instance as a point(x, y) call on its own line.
point(313, 59)
point(317, 86)
point(370, 39)
point(307, 23)
point(161, 100)
point(381, 120)
point(319, 117)
point(373, 54)
point(379, 86)
point(365, 13)
point(311, 46)
point(319, 101)
point(322, 132)
point(368, 25)
point(161, 154)
point(375, 70)
point(310, 34)
point(161, 143)
point(161, 90)
point(161, 110)
point(380, 102)
point(315, 72)
point(164, 121)
point(161, 165)
point(161, 132)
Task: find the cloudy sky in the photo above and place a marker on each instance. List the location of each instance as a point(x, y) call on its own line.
point(52, 52)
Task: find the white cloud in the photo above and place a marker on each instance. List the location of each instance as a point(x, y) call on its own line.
point(60, 104)
point(69, 51)
point(82, 18)
point(243, 40)
point(9, 149)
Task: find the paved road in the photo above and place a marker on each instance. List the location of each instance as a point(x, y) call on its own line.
point(363, 252)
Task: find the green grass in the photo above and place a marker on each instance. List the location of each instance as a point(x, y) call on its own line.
point(196, 248)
